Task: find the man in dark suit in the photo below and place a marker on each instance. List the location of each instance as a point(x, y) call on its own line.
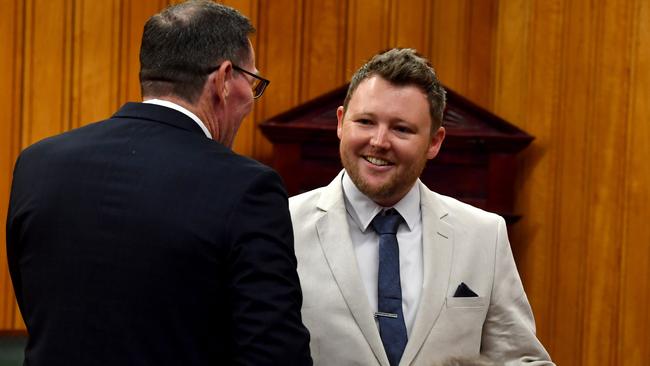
point(143, 239)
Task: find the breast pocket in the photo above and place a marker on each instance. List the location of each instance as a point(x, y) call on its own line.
point(467, 302)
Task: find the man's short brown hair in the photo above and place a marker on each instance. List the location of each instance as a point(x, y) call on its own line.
point(404, 66)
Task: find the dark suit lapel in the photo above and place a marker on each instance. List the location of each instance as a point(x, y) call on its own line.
point(158, 113)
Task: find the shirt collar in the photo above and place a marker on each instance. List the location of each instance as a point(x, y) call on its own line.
point(362, 209)
point(185, 111)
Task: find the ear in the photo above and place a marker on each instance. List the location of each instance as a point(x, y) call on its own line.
point(436, 143)
point(221, 79)
point(340, 113)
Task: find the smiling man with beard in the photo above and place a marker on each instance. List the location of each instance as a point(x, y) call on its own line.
point(393, 273)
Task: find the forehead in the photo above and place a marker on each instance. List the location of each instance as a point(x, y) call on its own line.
point(377, 95)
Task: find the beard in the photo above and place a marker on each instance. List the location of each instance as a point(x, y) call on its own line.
point(390, 191)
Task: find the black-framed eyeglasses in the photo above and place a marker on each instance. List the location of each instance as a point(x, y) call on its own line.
point(259, 83)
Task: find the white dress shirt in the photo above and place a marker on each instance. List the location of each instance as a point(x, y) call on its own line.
point(361, 210)
point(172, 105)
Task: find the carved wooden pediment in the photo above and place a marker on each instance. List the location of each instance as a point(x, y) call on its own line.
point(477, 162)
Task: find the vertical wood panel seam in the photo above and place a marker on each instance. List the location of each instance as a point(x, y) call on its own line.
point(116, 41)
point(19, 119)
point(16, 131)
point(342, 33)
point(28, 75)
point(297, 55)
point(595, 26)
point(67, 85)
point(553, 277)
point(260, 109)
point(557, 159)
point(73, 67)
point(304, 66)
point(493, 60)
point(350, 34)
point(494, 11)
point(387, 23)
point(19, 79)
point(248, 148)
point(465, 27)
point(426, 41)
point(633, 12)
point(122, 51)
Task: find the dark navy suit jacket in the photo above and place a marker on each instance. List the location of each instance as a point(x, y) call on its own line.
point(139, 241)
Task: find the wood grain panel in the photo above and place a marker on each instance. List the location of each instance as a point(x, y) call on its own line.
point(47, 73)
point(512, 64)
point(449, 42)
point(517, 39)
point(368, 31)
point(634, 339)
point(95, 71)
point(481, 45)
point(280, 39)
point(11, 57)
point(322, 64)
point(132, 18)
point(410, 25)
point(538, 184)
point(606, 146)
point(571, 198)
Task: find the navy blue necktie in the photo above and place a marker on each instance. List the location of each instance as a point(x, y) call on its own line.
point(389, 306)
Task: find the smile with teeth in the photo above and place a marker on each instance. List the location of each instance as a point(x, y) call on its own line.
point(377, 161)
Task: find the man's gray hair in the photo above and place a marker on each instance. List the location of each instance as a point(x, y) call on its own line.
point(182, 44)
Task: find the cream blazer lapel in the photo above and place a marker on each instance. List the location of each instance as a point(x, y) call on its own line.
point(437, 251)
point(334, 235)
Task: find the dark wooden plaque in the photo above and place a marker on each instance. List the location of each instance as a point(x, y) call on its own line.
point(477, 162)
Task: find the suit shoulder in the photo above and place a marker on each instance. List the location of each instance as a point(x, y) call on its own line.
point(239, 165)
point(467, 214)
point(64, 139)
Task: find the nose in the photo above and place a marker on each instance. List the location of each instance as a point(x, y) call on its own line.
point(379, 138)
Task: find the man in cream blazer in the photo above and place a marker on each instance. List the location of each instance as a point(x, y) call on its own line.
point(461, 293)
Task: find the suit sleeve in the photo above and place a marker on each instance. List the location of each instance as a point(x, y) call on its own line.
point(264, 289)
point(509, 329)
point(12, 232)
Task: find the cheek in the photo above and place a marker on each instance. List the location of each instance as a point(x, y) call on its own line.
point(410, 151)
point(354, 138)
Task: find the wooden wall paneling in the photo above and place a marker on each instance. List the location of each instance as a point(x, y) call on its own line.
point(482, 24)
point(511, 66)
point(245, 140)
point(96, 65)
point(279, 54)
point(510, 84)
point(323, 53)
point(607, 177)
point(571, 199)
point(48, 50)
point(132, 18)
point(11, 58)
point(449, 48)
point(462, 44)
point(368, 31)
point(526, 92)
point(539, 175)
point(634, 339)
point(410, 25)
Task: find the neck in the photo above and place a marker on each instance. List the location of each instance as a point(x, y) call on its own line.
point(202, 109)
